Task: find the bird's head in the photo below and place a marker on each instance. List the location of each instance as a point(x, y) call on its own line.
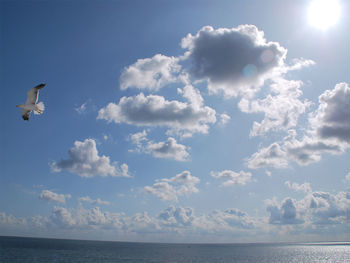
point(41, 85)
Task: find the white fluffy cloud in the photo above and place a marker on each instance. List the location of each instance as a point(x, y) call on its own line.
point(176, 216)
point(11, 220)
point(84, 160)
point(51, 196)
point(284, 213)
point(317, 213)
point(163, 190)
point(232, 219)
point(327, 133)
point(233, 60)
point(138, 139)
point(305, 187)
point(169, 149)
point(232, 178)
point(154, 110)
point(224, 119)
point(331, 120)
point(81, 217)
point(282, 108)
point(315, 209)
point(170, 189)
point(179, 220)
point(150, 73)
point(303, 152)
point(97, 201)
point(272, 156)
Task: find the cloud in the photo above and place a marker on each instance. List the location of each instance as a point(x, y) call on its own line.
point(281, 109)
point(11, 220)
point(316, 209)
point(170, 189)
point(309, 149)
point(62, 217)
point(85, 107)
point(180, 220)
point(150, 73)
point(169, 149)
point(234, 61)
point(328, 128)
point(163, 190)
point(327, 208)
point(347, 177)
point(84, 160)
point(142, 223)
point(224, 119)
point(138, 139)
point(284, 213)
point(232, 218)
point(81, 109)
point(331, 118)
point(154, 110)
point(97, 201)
point(80, 218)
point(303, 152)
point(232, 178)
point(176, 216)
point(305, 187)
point(327, 133)
point(192, 95)
point(299, 63)
point(272, 155)
point(317, 215)
point(51, 196)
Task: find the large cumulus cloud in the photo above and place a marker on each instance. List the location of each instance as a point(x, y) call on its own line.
point(150, 73)
point(233, 60)
point(316, 209)
point(328, 132)
point(85, 161)
point(282, 108)
point(331, 120)
point(154, 110)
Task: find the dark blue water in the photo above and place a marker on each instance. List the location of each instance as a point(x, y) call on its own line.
point(15, 249)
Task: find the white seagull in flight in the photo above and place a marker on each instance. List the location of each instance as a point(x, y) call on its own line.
point(31, 103)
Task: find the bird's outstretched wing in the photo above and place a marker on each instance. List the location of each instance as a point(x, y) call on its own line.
point(33, 94)
point(25, 114)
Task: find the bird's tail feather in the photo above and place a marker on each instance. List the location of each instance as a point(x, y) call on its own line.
point(39, 108)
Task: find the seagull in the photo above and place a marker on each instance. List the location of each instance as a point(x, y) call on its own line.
point(31, 103)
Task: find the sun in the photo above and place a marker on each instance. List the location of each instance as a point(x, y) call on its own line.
point(323, 13)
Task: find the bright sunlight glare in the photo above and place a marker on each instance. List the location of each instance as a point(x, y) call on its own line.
point(323, 13)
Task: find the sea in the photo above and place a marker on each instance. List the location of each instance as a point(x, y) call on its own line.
point(19, 249)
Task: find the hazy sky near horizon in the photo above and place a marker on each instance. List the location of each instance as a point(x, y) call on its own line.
point(176, 121)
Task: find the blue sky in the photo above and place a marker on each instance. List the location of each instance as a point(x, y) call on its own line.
point(175, 121)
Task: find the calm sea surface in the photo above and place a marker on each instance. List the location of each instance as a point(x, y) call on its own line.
point(15, 249)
